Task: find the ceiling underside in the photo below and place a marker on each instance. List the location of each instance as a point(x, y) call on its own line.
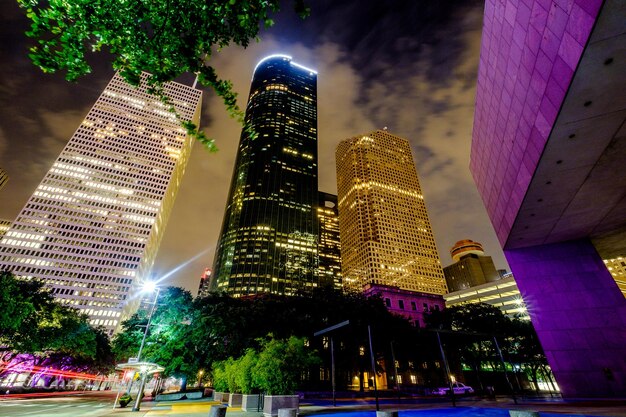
point(579, 187)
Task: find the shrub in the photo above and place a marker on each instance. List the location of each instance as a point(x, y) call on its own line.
point(220, 380)
point(243, 376)
point(280, 364)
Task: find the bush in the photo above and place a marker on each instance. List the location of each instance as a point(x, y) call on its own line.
point(230, 371)
point(220, 379)
point(280, 364)
point(243, 376)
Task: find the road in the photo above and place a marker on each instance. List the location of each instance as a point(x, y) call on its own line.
point(76, 405)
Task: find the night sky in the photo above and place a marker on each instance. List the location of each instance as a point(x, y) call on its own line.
point(407, 65)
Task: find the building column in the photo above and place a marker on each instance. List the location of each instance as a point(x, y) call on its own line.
point(579, 314)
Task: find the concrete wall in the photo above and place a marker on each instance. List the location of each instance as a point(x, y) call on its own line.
point(578, 313)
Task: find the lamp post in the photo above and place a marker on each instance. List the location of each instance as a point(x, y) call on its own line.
point(149, 287)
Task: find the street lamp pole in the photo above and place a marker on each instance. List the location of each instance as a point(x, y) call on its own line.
point(143, 342)
point(145, 332)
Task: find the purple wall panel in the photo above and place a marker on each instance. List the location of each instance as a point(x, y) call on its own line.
point(529, 52)
point(579, 315)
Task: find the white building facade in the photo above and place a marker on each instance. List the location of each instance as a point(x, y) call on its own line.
point(93, 226)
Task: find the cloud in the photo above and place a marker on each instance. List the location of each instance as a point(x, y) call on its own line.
point(407, 65)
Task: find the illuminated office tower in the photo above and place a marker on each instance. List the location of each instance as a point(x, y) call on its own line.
point(617, 268)
point(4, 223)
point(386, 237)
point(4, 178)
point(92, 228)
point(268, 242)
point(329, 242)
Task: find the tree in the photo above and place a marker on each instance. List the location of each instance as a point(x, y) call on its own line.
point(476, 325)
point(168, 340)
point(36, 329)
point(162, 38)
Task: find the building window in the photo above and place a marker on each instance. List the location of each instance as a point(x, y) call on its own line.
point(413, 306)
point(401, 304)
point(436, 307)
point(388, 302)
point(425, 307)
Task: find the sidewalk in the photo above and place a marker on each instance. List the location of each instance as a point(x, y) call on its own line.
point(197, 408)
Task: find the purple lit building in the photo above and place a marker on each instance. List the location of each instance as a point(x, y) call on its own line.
point(412, 305)
point(548, 156)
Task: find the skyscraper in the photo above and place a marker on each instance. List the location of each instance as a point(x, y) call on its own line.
point(268, 241)
point(5, 224)
point(205, 282)
point(92, 228)
point(386, 237)
point(329, 241)
point(4, 178)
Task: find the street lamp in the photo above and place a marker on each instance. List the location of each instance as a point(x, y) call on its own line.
point(149, 286)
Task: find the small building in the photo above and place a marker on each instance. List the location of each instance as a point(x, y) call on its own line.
point(410, 304)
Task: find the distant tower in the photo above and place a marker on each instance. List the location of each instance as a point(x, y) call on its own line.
point(4, 223)
point(329, 241)
point(92, 228)
point(386, 237)
point(471, 266)
point(269, 236)
point(4, 178)
point(205, 280)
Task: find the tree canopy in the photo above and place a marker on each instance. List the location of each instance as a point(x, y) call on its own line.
point(33, 322)
point(162, 38)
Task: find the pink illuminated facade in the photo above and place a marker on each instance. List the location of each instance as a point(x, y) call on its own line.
point(412, 305)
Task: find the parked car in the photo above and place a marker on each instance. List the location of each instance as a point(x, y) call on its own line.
point(458, 387)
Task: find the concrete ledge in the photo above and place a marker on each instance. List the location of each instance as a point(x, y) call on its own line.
point(179, 396)
point(287, 412)
point(523, 413)
point(217, 410)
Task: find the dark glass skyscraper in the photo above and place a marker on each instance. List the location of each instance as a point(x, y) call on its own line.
point(269, 236)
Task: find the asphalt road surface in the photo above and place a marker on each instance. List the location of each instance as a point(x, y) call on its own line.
point(73, 405)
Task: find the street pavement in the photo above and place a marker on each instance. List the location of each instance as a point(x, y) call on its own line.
point(73, 405)
point(100, 404)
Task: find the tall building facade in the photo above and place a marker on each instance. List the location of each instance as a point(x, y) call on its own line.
point(471, 266)
point(5, 224)
point(617, 268)
point(329, 241)
point(93, 226)
point(502, 293)
point(4, 178)
point(386, 236)
point(268, 242)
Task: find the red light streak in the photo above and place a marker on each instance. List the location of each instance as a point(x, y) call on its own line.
point(55, 372)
